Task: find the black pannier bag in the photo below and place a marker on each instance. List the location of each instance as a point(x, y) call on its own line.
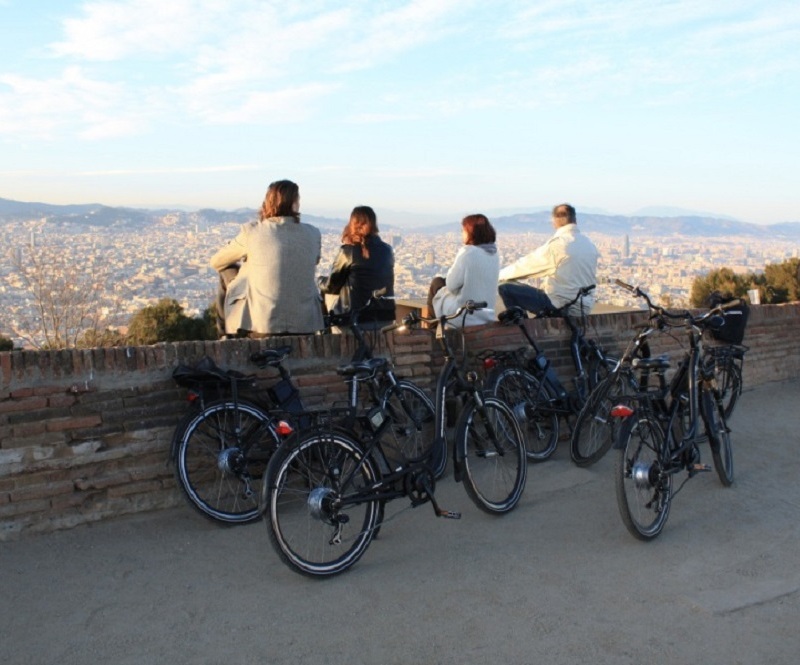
point(735, 319)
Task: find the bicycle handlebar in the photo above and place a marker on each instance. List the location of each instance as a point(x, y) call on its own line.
point(685, 315)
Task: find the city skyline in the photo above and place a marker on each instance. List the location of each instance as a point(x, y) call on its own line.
point(430, 108)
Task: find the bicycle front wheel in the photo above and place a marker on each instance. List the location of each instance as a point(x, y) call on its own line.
point(529, 401)
point(319, 519)
point(222, 452)
point(412, 435)
point(643, 487)
point(492, 453)
point(719, 437)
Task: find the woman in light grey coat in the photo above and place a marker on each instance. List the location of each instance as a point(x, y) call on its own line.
point(274, 291)
point(473, 275)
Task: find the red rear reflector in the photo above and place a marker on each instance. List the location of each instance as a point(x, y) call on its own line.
point(621, 411)
point(283, 428)
point(192, 396)
point(489, 363)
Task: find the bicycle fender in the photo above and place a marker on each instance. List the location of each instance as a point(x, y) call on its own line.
point(622, 430)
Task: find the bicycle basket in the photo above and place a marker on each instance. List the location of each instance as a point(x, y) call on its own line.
point(735, 320)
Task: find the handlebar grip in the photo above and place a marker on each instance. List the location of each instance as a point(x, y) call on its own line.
point(472, 305)
point(379, 293)
point(730, 305)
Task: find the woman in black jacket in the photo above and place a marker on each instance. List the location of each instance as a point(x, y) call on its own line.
point(364, 264)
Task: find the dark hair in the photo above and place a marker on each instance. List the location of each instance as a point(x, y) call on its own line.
point(363, 223)
point(479, 230)
point(565, 211)
point(279, 200)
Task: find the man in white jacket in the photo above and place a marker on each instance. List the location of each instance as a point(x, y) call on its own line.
point(566, 263)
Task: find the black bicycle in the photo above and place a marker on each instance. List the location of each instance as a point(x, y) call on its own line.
point(221, 448)
point(526, 379)
point(662, 427)
point(594, 430)
point(325, 490)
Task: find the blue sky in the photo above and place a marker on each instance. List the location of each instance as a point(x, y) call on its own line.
point(427, 106)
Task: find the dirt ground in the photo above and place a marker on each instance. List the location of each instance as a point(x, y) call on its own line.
point(557, 581)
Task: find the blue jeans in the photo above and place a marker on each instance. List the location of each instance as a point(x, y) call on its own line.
point(529, 298)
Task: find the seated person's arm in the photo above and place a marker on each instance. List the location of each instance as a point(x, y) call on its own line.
point(339, 274)
point(539, 263)
point(228, 255)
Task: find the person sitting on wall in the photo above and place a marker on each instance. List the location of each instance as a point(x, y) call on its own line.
point(567, 262)
point(274, 291)
point(473, 275)
point(363, 265)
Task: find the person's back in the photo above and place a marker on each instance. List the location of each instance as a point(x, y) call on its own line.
point(282, 257)
point(274, 291)
point(364, 264)
point(576, 267)
point(369, 274)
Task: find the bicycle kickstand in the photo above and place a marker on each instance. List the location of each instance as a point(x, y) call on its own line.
point(438, 510)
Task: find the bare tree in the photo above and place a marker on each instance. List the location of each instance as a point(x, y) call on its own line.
point(67, 298)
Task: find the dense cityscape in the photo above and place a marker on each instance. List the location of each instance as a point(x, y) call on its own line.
point(170, 260)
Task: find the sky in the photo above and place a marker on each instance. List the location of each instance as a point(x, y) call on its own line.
point(440, 107)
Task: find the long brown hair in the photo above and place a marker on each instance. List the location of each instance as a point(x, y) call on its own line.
point(479, 230)
point(363, 223)
point(279, 200)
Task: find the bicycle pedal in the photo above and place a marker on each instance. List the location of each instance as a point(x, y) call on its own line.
point(699, 468)
point(448, 514)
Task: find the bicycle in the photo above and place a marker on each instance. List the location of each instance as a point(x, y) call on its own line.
point(526, 380)
point(324, 491)
point(660, 432)
point(221, 449)
point(593, 433)
point(373, 384)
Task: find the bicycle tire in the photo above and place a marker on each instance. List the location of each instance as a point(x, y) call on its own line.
point(492, 455)
point(729, 383)
point(519, 388)
point(719, 438)
point(306, 481)
point(412, 434)
point(594, 430)
point(644, 492)
point(220, 453)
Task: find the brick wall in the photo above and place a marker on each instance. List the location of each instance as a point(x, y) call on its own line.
point(85, 434)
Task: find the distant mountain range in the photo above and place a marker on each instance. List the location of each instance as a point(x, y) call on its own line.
point(95, 214)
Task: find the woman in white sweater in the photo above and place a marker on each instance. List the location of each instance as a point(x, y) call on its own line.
point(473, 275)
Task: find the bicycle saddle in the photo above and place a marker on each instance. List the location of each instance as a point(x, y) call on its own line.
point(270, 357)
point(364, 369)
point(511, 315)
point(659, 362)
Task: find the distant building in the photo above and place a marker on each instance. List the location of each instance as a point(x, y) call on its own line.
point(626, 247)
point(430, 259)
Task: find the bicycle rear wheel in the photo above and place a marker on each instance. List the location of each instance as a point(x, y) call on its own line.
point(594, 430)
point(221, 454)
point(413, 430)
point(317, 523)
point(492, 453)
point(522, 392)
point(643, 488)
point(729, 380)
point(719, 438)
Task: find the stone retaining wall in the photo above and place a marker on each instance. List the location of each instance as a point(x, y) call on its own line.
point(85, 434)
